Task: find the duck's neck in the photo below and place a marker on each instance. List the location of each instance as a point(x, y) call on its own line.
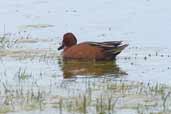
point(66, 48)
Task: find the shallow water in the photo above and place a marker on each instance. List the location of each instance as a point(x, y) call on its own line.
point(29, 59)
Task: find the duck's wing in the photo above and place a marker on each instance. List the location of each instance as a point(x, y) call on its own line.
point(116, 50)
point(108, 44)
point(111, 47)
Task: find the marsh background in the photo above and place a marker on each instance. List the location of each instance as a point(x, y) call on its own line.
point(34, 79)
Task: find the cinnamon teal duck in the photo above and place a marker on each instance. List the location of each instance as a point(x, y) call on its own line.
point(90, 50)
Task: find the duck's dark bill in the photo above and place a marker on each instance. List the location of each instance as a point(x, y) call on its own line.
point(61, 47)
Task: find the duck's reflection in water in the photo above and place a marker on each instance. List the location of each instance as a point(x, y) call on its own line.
point(90, 69)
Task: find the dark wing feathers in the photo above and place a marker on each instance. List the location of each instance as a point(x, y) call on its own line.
point(117, 49)
point(115, 43)
point(106, 44)
point(110, 47)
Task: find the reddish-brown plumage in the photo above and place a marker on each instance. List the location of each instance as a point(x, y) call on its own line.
point(83, 51)
point(89, 50)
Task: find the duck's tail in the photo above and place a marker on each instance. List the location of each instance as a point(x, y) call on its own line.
point(117, 50)
point(111, 48)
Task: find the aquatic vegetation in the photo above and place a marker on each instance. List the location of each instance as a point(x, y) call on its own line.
point(101, 96)
point(84, 87)
point(34, 79)
point(6, 42)
point(77, 87)
point(38, 26)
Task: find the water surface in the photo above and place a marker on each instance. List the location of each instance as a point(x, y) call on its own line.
point(34, 78)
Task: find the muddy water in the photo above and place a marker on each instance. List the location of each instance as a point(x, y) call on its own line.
point(30, 62)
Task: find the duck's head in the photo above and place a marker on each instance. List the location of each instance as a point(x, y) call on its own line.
point(68, 40)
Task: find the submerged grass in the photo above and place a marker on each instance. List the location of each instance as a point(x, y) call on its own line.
point(5, 109)
point(102, 95)
point(126, 97)
point(117, 95)
point(37, 26)
point(97, 95)
point(6, 42)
